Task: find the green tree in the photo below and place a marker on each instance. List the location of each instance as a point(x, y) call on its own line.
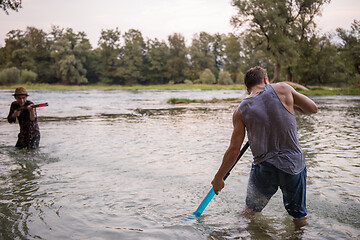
point(206, 77)
point(10, 76)
point(2, 57)
point(38, 47)
point(350, 46)
point(108, 55)
point(240, 78)
point(225, 78)
point(28, 50)
point(6, 5)
point(93, 67)
point(69, 52)
point(28, 76)
point(218, 48)
point(319, 63)
point(279, 25)
point(156, 59)
point(21, 58)
point(201, 55)
point(329, 68)
point(232, 61)
point(257, 57)
point(132, 58)
point(14, 41)
point(177, 65)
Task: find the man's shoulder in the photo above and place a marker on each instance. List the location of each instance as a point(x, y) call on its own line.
point(282, 88)
point(281, 85)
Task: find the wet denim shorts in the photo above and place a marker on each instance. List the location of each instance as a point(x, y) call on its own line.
point(264, 181)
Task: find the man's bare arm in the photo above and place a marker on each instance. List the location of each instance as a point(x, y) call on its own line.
point(231, 153)
point(303, 104)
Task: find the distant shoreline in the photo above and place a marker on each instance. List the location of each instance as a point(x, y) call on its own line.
point(315, 90)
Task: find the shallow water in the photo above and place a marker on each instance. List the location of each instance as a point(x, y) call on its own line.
point(124, 164)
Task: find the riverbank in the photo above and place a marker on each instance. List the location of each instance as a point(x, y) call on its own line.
point(313, 90)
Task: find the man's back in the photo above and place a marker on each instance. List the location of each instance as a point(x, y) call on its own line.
point(271, 129)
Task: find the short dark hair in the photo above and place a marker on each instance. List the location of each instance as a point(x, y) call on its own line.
point(254, 76)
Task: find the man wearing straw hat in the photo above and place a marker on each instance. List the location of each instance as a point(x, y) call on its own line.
point(29, 136)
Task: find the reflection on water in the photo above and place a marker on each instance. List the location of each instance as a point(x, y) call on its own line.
point(259, 227)
point(332, 146)
point(126, 165)
point(18, 189)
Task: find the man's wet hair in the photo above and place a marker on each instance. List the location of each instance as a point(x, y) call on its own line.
point(254, 76)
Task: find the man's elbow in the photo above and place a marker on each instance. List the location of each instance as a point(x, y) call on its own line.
point(314, 109)
point(11, 120)
point(309, 108)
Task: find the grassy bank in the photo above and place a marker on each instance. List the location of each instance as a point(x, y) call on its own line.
point(351, 90)
point(319, 91)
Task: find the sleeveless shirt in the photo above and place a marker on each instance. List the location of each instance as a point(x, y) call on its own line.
point(272, 131)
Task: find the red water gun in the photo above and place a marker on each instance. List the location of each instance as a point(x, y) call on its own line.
point(34, 106)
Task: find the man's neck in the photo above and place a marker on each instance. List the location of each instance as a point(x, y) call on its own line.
point(255, 90)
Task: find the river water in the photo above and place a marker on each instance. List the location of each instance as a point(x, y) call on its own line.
point(124, 164)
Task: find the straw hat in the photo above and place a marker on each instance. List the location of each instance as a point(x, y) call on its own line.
point(20, 91)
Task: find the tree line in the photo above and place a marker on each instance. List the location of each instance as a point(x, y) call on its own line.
point(280, 36)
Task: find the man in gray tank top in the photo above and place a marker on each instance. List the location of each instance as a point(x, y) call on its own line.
point(267, 115)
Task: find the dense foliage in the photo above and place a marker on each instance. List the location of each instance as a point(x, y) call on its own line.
point(6, 5)
point(281, 38)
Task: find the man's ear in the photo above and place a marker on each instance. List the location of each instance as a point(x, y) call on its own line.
point(266, 81)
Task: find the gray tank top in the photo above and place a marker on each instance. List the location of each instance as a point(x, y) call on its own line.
point(271, 131)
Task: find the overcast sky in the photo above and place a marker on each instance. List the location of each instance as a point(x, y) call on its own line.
point(154, 19)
